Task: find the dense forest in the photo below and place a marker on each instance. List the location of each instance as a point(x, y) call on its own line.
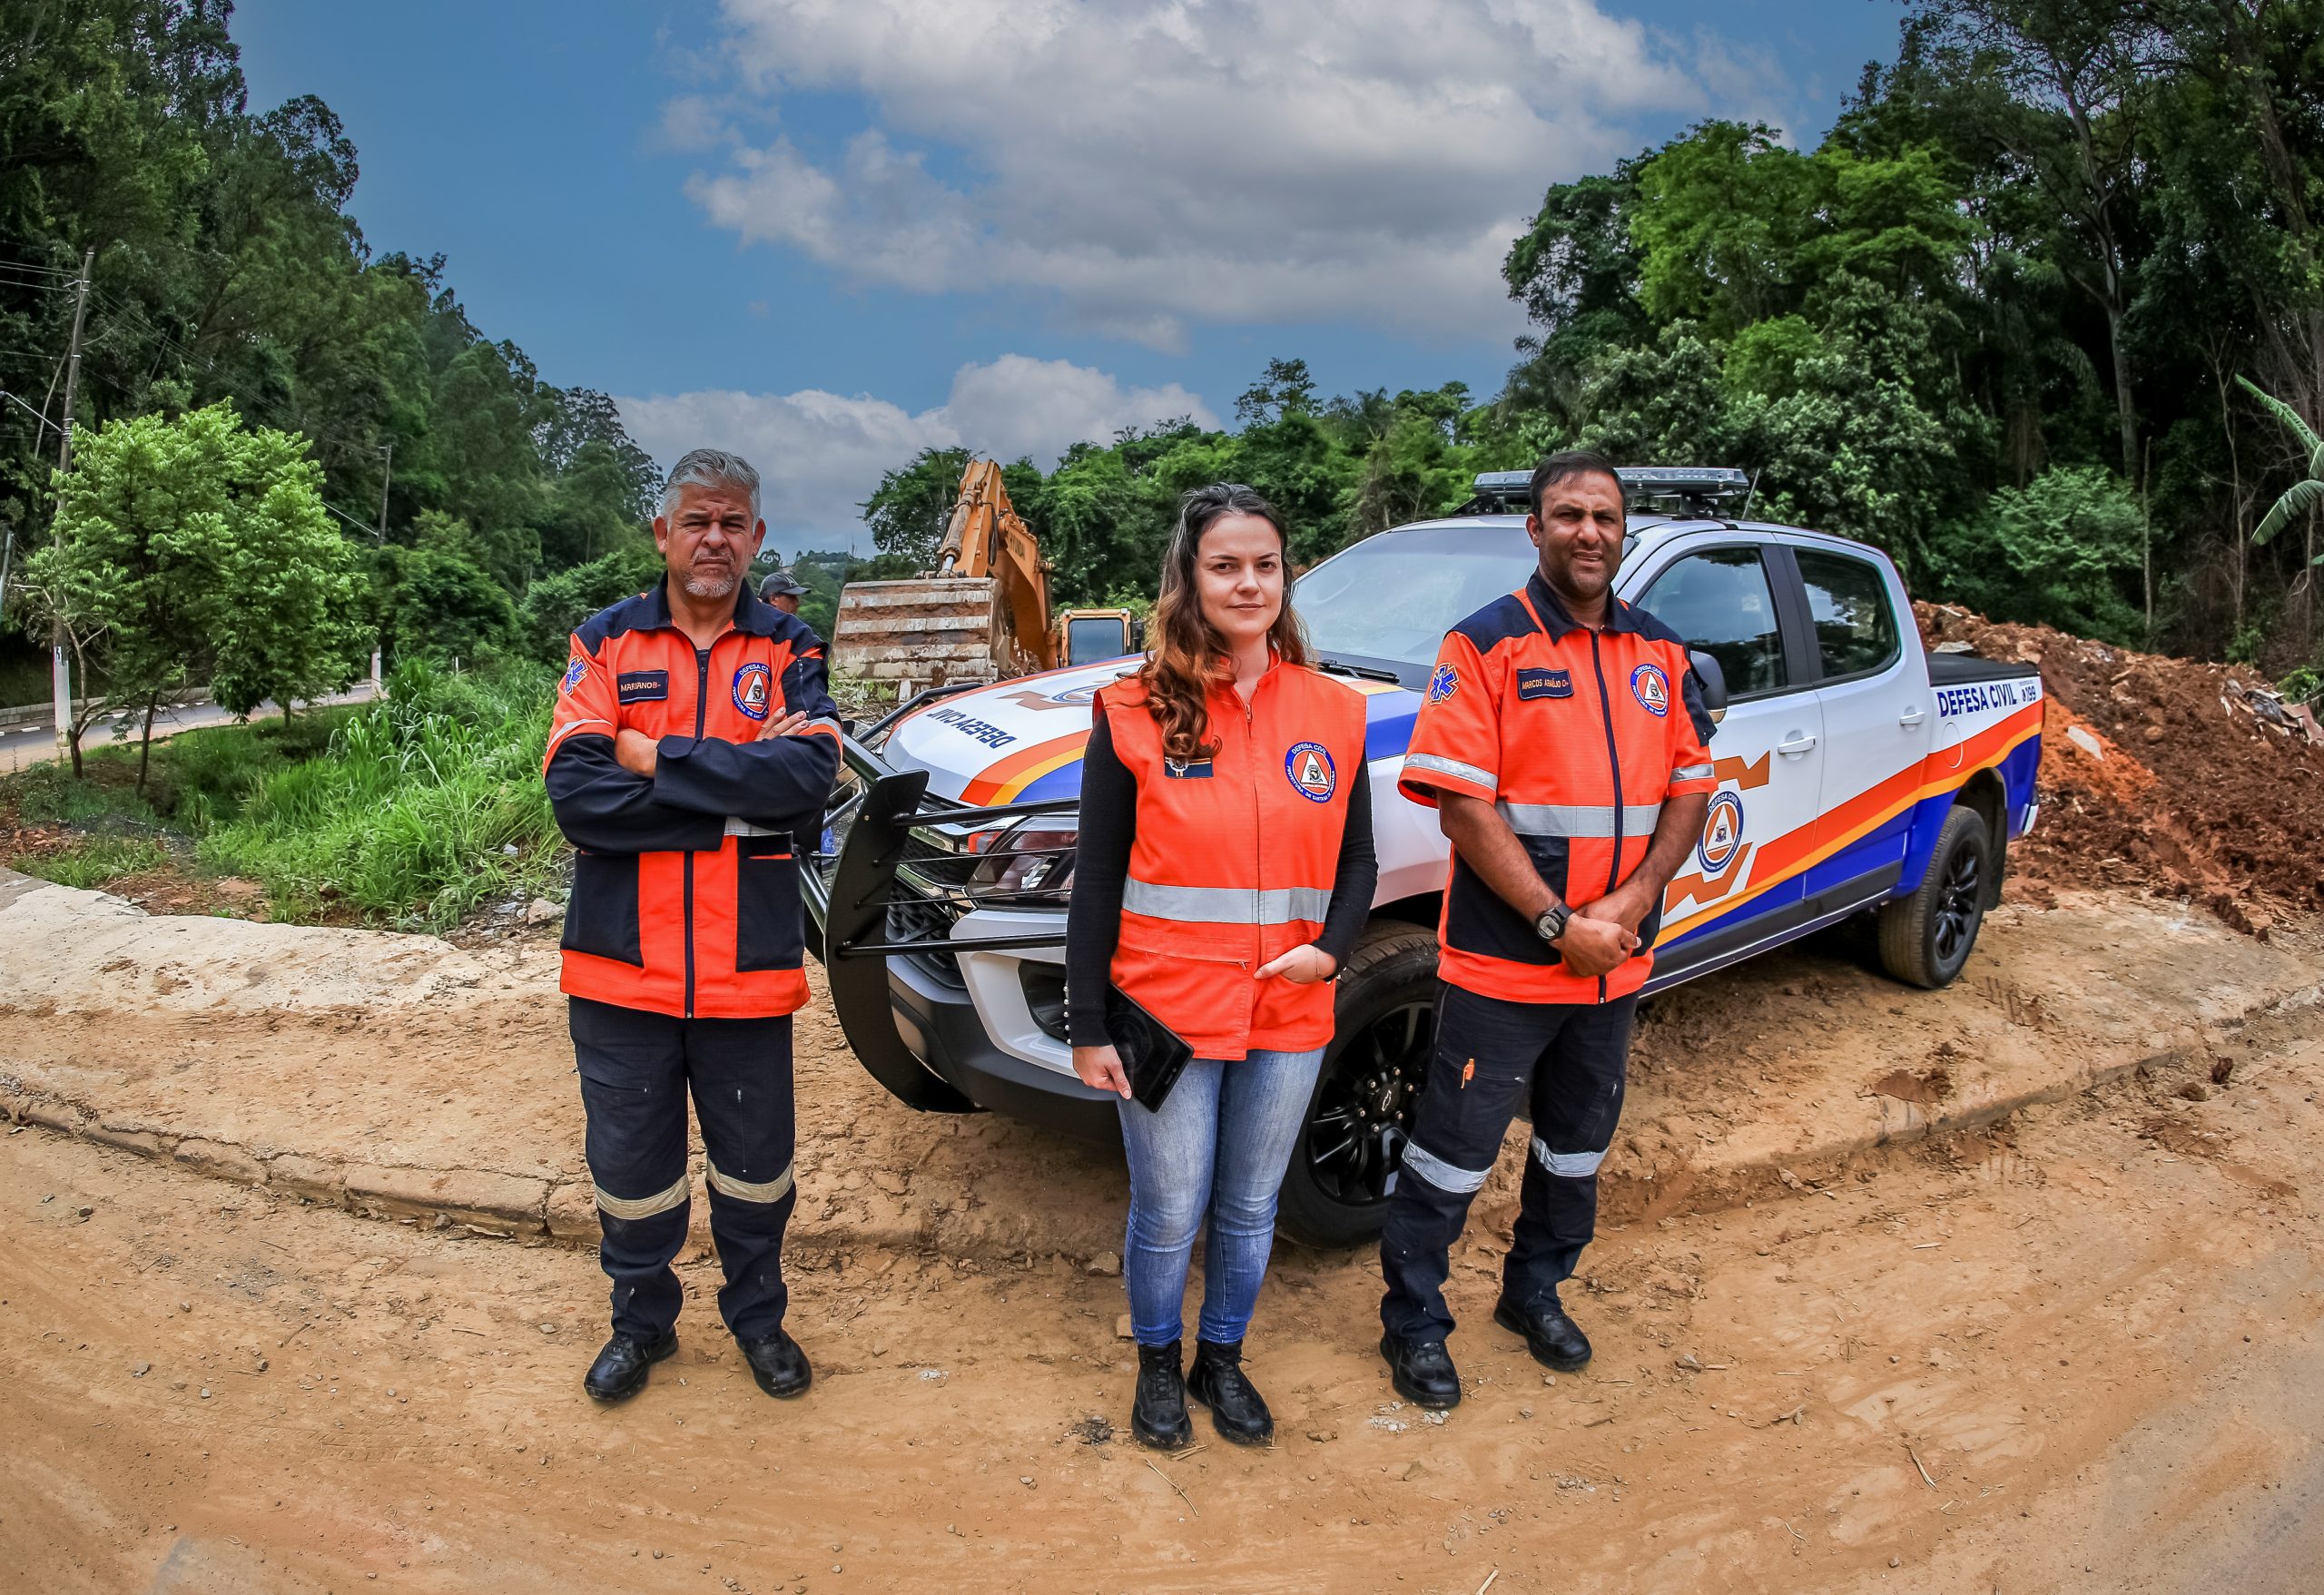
point(226, 266)
point(2013, 318)
point(1999, 322)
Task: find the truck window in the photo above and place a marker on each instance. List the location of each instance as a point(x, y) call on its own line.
point(1719, 601)
point(1856, 626)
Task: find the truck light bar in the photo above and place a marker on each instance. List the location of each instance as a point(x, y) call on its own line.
point(1699, 485)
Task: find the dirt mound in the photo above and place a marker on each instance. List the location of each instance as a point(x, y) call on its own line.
point(2167, 773)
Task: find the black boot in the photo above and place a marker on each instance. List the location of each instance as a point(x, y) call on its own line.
point(1158, 1415)
point(1555, 1340)
point(1422, 1371)
point(778, 1364)
point(620, 1370)
point(1236, 1410)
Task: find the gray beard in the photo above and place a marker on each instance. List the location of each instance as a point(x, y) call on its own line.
point(709, 586)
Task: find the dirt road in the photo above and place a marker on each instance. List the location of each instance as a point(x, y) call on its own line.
point(2072, 1352)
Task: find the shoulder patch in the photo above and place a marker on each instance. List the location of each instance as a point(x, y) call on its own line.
point(1443, 684)
point(575, 674)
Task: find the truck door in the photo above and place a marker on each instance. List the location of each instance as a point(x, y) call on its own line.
point(1742, 884)
point(1878, 723)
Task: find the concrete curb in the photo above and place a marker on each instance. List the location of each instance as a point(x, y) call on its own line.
point(497, 1205)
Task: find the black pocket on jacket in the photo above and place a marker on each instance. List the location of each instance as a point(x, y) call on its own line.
point(766, 904)
point(601, 916)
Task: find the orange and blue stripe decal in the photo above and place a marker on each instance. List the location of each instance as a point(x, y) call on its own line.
point(1006, 781)
point(1780, 859)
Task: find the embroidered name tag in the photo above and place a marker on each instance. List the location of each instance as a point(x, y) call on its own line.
point(1545, 683)
point(1187, 769)
point(642, 687)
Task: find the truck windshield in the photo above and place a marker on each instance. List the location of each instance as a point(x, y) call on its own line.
point(1391, 598)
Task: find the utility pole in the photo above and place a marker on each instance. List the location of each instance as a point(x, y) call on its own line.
point(61, 672)
point(387, 475)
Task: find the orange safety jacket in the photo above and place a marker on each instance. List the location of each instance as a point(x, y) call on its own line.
point(685, 890)
point(1577, 737)
point(1233, 858)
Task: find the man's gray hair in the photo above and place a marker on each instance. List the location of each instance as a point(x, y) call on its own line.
point(710, 468)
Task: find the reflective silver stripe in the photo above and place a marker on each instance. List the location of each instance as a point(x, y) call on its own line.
point(1460, 1182)
point(1571, 1165)
point(1578, 820)
point(1225, 905)
point(744, 828)
point(568, 730)
point(743, 1190)
point(825, 722)
point(1453, 767)
point(1694, 772)
point(642, 1206)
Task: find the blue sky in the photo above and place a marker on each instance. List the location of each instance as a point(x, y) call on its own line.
point(831, 234)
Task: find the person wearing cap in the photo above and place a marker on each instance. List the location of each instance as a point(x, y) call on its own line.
point(693, 740)
point(782, 591)
point(1561, 742)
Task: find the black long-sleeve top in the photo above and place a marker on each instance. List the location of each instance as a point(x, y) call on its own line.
point(1101, 864)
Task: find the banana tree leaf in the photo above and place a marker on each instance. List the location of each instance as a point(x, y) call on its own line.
point(2297, 500)
point(2310, 443)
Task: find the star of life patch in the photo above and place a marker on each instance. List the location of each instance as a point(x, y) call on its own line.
point(1443, 684)
point(574, 675)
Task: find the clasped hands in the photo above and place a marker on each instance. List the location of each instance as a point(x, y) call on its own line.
point(1601, 934)
point(639, 754)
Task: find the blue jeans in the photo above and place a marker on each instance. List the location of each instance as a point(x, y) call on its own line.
point(1221, 1141)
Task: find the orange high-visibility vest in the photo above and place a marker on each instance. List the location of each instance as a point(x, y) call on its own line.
point(1233, 858)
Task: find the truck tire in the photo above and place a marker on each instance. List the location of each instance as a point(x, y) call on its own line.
point(1335, 1192)
point(1924, 939)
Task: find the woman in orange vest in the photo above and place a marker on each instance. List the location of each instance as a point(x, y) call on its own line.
point(1223, 872)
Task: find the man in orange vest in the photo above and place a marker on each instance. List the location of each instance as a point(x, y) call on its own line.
point(692, 752)
point(1561, 743)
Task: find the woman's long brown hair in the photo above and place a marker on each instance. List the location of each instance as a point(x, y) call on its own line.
point(1188, 653)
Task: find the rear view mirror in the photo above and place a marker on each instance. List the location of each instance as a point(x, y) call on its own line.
point(1713, 680)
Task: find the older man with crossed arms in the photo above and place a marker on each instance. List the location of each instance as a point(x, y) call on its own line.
point(694, 741)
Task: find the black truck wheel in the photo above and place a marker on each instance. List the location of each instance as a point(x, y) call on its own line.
point(1924, 939)
point(1335, 1192)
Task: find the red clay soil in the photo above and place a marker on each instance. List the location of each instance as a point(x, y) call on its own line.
point(2191, 793)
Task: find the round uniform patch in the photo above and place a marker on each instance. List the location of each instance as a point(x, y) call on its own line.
point(1722, 833)
point(1309, 769)
point(574, 674)
point(1652, 689)
point(751, 683)
point(1443, 684)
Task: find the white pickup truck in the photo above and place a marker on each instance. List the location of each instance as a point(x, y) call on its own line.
point(1857, 775)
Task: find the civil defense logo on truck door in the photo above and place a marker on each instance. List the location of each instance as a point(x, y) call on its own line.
point(751, 686)
point(1309, 767)
point(1652, 689)
point(1722, 833)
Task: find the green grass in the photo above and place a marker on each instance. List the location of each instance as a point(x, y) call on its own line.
point(422, 806)
point(97, 863)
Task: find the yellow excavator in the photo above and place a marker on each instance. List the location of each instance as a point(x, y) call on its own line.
point(984, 613)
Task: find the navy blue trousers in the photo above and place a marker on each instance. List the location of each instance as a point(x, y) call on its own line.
point(635, 1069)
point(1565, 1062)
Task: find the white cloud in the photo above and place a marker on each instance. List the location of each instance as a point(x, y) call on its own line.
point(1155, 162)
point(820, 454)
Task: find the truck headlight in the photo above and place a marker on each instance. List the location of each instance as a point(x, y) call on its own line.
point(1033, 858)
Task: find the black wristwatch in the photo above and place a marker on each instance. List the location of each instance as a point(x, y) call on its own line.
point(1551, 924)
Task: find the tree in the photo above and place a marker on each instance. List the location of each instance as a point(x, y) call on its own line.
point(2059, 552)
point(908, 511)
point(434, 601)
point(195, 544)
point(2302, 498)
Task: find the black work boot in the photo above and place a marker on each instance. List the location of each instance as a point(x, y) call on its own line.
point(1236, 1410)
point(1158, 1414)
point(1555, 1340)
point(778, 1363)
point(1422, 1371)
point(620, 1370)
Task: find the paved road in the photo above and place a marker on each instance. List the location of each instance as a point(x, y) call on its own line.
point(35, 744)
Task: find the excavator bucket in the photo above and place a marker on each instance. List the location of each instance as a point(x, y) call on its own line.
point(926, 630)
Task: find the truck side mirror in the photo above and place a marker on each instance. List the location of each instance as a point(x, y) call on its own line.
point(1714, 683)
point(1137, 636)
